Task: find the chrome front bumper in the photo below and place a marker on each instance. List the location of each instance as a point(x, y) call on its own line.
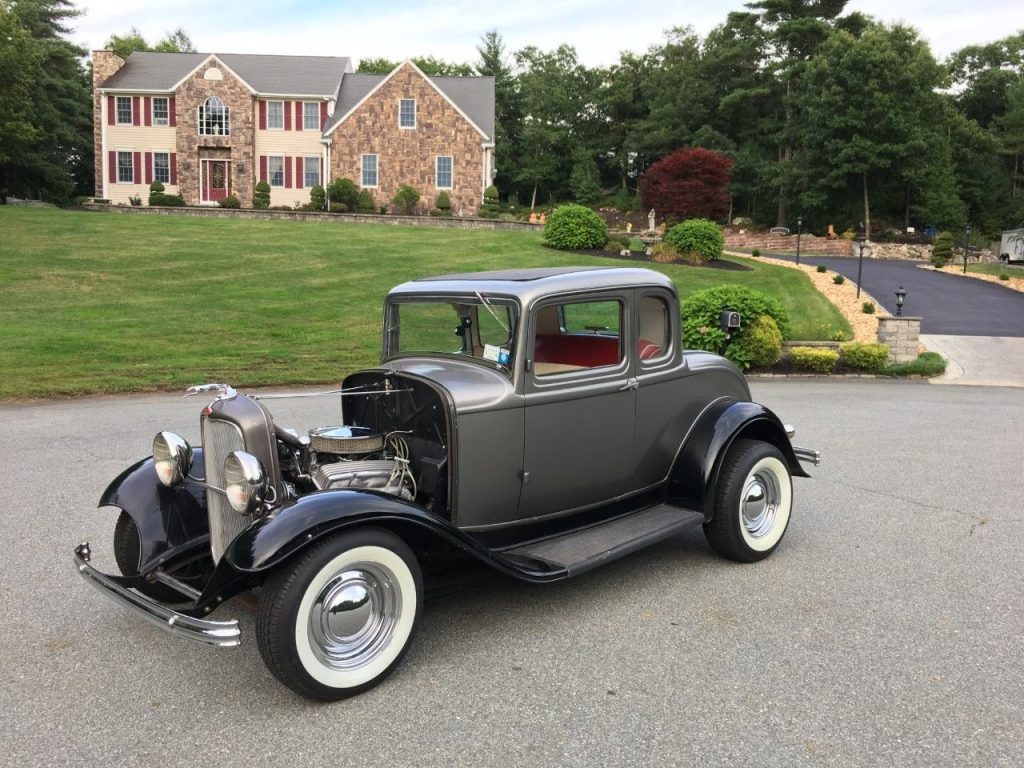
point(224, 634)
point(807, 454)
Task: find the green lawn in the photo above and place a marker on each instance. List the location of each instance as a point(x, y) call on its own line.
point(105, 302)
point(992, 269)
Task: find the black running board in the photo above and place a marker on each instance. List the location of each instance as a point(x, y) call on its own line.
point(581, 550)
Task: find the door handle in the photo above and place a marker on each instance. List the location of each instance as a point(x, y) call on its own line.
point(631, 383)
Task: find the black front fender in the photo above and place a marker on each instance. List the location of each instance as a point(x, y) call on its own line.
point(274, 539)
point(695, 474)
point(167, 518)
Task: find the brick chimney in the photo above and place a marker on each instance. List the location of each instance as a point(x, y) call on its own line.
point(104, 64)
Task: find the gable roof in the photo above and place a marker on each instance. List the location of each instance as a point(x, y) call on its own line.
point(277, 75)
point(473, 96)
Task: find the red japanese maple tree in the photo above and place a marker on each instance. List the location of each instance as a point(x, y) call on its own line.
point(688, 184)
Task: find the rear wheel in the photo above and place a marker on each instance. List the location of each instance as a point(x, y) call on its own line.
point(338, 619)
point(753, 502)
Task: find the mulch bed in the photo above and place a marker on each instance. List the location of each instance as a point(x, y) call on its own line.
point(728, 266)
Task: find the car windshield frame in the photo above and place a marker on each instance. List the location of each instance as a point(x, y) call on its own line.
point(466, 317)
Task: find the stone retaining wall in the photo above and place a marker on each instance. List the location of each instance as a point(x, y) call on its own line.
point(210, 212)
point(774, 243)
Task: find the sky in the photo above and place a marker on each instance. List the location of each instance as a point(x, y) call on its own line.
point(451, 30)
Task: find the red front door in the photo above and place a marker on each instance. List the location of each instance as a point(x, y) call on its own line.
point(215, 180)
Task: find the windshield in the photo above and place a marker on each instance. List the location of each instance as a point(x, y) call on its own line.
point(480, 327)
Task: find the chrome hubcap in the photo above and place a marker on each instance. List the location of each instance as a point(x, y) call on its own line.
point(354, 616)
point(760, 505)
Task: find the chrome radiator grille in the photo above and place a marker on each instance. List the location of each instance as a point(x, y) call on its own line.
point(219, 439)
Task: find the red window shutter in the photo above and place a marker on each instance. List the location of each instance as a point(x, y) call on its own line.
point(263, 167)
point(263, 115)
point(286, 108)
point(287, 171)
point(323, 114)
point(137, 167)
point(147, 110)
point(299, 180)
point(172, 119)
point(299, 122)
point(111, 111)
point(136, 114)
point(112, 157)
point(149, 167)
point(174, 163)
point(322, 184)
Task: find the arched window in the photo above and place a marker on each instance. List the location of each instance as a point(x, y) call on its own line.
point(214, 119)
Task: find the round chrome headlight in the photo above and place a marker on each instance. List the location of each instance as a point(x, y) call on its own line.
point(245, 482)
point(172, 457)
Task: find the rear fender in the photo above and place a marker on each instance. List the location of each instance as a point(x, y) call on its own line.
point(274, 539)
point(695, 474)
point(167, 518)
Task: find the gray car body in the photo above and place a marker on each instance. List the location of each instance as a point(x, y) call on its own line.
point(530, 448)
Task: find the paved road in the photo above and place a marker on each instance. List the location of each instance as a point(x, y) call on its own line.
point(885, 631)
point(947, 304)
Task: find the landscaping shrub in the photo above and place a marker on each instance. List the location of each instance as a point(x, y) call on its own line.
point(1003, 276)
point(574, 227)
point(317, 198)
point(623, 199)
point(365, 202)
point(492, 205)
point(405, 199)
point(261, 196)
point(231, 201)
point(702, 312)
point(135, 200)
point(689, 183)
point(759, 345)
point(868, 307)
point(617, 244)
point(174, 201)
point(699, 236)
point(664, 253)
point(814, 359)
point(343, 191)
point(156, 193)
point(383, 210)
point(338, 208)
point(756, 253)
point(838, 279)
point(942, 249)
point(280, 208)
point(866, 357)
point(822, 268)
point(443, 204)
point(927, 364)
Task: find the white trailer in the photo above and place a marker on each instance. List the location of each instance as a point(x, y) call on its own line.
point(1011, 249)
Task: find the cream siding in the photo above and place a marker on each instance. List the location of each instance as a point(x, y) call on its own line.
point(290, 144)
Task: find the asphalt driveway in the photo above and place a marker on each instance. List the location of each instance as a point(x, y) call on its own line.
point(885, 631)
point(947, 304)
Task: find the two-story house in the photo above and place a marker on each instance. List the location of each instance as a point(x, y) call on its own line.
point(212, 125)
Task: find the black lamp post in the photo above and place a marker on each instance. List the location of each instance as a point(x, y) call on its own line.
point(799, 227)
point(900, 296)
point(967, 244)
point(861, 237)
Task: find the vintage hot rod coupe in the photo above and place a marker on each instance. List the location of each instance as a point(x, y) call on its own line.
point(542, 421)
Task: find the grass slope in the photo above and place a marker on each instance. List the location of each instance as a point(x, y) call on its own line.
point(106, 302)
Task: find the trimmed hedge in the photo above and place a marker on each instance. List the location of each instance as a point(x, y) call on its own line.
point(261, 196)
point(866, 357)
point(702, 312)
point(760, 346)
point(574, 227)
point(816, 360)
point(697, 236)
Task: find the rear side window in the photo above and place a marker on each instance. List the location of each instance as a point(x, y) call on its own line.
point(653, 341)
point(576, 336)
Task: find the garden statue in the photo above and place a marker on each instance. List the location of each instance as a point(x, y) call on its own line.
point(650, 221)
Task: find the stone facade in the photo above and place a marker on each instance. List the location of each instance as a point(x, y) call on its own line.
point(408, 155)
point(901, 335)
point(104, 64)
point(214, 79)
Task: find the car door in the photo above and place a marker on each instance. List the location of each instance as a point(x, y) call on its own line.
point(580, 400)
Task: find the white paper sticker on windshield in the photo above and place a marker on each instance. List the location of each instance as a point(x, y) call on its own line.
point(491, 352)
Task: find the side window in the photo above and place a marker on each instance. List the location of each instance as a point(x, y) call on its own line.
point(576, 336)
point(653, 340)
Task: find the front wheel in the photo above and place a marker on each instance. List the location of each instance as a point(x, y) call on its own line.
point(753, 502)
point(338, 619)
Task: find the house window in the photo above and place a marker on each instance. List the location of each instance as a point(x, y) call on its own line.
point(214, 118)
point(162, 167)
point(407, 113)
point(369, 171)
point(124, 110)
point(275, 170)
point(311, 116)
point(311, 172)
point(444, 173)
point(160, 110)
point(125, 168)
point(275, 115)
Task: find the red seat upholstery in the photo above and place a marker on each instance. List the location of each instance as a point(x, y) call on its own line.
point(645, 350)
point(576, 349)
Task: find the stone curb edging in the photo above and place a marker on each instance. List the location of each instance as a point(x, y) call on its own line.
point(437, 222)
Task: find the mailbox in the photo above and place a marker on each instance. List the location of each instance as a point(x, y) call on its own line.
point(730, 320)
